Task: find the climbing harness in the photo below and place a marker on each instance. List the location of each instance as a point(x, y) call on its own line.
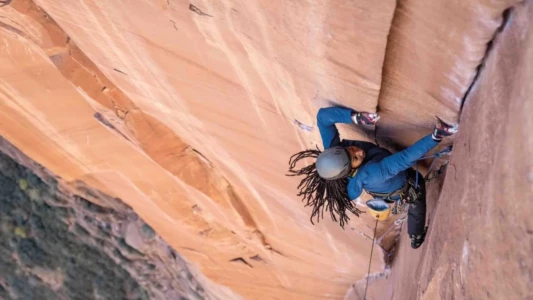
point(406, 192)
point(410, 193)
point(389, 196)
point(371, 252)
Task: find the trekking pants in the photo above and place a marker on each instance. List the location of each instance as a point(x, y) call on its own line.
point(416, 215)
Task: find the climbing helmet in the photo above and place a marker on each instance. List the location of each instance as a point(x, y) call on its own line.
point(333, 163)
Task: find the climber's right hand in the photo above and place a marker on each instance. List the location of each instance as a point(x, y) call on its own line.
point(442, 129)
point(364, 118)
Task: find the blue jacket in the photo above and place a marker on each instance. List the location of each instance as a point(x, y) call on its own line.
point(381, 171)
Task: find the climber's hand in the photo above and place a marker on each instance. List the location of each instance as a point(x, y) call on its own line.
point(364, 118)
point(442, 129)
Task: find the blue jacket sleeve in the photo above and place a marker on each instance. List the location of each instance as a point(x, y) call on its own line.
point(404, 159)
point(355, 186)
point(326, 119)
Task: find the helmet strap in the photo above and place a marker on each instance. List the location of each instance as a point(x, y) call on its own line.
point(353, 172)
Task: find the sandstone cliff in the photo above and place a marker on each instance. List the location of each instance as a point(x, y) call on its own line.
point(188, 111)
point(479, 242)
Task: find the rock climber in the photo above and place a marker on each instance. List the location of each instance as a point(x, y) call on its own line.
point(346, 167)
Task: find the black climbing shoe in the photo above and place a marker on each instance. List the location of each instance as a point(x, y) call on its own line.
point(417, 240)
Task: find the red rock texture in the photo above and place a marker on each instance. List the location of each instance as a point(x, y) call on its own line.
point(480, 238)
point(189, 110)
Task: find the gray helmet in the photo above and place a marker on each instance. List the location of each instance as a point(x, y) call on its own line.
point(334, 163)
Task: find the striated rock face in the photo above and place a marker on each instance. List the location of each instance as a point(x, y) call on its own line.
point(480, 239)
point(58, 244)
point(188, 111)
point(433, 52)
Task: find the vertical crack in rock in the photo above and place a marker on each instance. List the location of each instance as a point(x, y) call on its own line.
point(117, 70)
point(98, 116)
point(13, 29)
point(203, 157)
point(387, 49)
point(257, 258)
point(174, 24)
point(241, 260)
point(505, 19)
point(198, 11)
point(383, 67)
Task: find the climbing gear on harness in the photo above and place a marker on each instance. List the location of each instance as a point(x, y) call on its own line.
point(334, 163)
point(399, 207)
point(401, 198)
point(442, 129)
point(417, 240)
point(412, 193)
point(365, 118)
point(379, 209)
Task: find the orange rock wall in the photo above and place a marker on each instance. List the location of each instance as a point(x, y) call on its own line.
point(433, 51)
point(186, 111)
point(479, 240)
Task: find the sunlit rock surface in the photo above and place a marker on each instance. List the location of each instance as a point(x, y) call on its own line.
point(189, 110)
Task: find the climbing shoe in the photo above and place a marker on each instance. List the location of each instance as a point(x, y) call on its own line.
point(365, 118)
point(442, 129)
point(417, 240)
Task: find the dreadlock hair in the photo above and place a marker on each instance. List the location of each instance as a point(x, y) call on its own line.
point(322, 194)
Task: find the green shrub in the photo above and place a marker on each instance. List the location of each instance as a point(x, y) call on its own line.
point(20, 231)
point(43, 238)
point(31, 254)
point(23, 184)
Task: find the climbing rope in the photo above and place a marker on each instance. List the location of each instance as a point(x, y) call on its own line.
point(436, 155)
point(371, 252)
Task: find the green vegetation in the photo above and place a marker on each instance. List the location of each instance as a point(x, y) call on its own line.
point(20, 231)
point(39, 234)
point(23, 184)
